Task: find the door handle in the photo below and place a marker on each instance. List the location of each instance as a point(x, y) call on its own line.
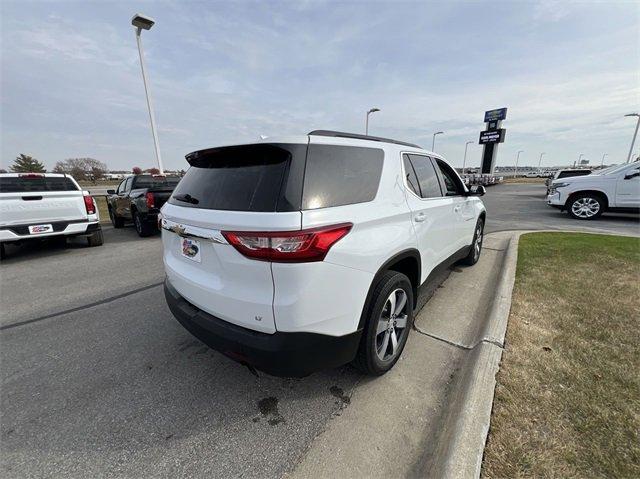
point(419, 217)
point(457, 209)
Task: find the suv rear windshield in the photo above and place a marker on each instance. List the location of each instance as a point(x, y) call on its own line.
point(279, 177)
point(31, 184)
point(155, 181)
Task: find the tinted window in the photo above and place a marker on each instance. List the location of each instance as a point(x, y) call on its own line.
point(565, 174)
point(340, 175)
point(156, 181)
point(410, 174)
point(427, 178)
point(450, 180)
point(20, 184)
point(243, 178)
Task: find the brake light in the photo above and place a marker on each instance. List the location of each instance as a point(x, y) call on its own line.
point(89, 204)
point(288, 246)
point(150, 200)
point(30, 175)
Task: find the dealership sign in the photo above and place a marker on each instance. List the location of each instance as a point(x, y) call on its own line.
point(495, 115)
point(492, 136)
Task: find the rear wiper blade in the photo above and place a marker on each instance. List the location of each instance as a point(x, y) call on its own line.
point(187, 198)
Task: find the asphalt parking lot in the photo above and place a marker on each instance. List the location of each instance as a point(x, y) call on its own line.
point(98, 379)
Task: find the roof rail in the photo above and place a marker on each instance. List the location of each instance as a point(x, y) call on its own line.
point(341, 134)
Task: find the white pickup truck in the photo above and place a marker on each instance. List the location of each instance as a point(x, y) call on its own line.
point(615, 189)
point(44, 205)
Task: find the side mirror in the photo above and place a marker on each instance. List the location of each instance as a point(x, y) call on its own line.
point(628, 176)
point(477, 190)
point(111, 192)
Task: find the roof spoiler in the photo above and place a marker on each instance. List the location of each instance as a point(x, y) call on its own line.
point(356, 136)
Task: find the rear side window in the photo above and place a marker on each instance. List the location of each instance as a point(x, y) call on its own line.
point(31, 184)
point(427, 177)
point(410, 174)
point(243, 178)
point(340, 175)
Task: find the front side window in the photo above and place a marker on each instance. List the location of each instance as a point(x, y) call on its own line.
point(340, 175)
point(450, 181)
point(121, 187)
point(427, 178)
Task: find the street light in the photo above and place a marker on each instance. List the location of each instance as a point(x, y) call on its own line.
point(540, 160)
point(634, 134)
point(142, 22)
point(517, 158)
point(464, 161)
point(433, 143)
point(602, 161)
point(366, 126)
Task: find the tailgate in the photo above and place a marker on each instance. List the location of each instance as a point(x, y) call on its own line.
point(41, 207)
point(218, 279)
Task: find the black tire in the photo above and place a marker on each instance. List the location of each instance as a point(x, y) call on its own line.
point(372, 343)
point(585, 206)
point(476, 245)
point(144, 228)
point(95, 239)
point(116, 221)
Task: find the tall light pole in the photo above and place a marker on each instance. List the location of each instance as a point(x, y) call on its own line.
point(142, 22)
point(433, 142)
point(464, 161)
point(540, 160)
point(366, 125)
point(635, 133)
point(602, 161)
point(517, 158)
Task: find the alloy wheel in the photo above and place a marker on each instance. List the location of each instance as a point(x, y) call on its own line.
point(477, 244)
point(585, 207)
point(392, 325)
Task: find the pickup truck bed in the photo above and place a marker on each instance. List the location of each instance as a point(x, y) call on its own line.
point(139, 199)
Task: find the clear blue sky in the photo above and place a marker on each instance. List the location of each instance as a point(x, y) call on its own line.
point(225, 72)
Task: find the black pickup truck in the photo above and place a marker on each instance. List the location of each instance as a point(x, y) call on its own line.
point(139, 199)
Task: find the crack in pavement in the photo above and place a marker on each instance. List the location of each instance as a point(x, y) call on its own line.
point(79, 308)
point(458, 345)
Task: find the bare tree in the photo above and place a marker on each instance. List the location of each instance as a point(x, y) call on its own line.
point(82, 168)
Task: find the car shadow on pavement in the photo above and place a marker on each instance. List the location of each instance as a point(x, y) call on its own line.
point(46, 247)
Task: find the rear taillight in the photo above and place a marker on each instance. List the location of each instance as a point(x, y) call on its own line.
point(150, 200)
point(90, 205)
point(287, 246)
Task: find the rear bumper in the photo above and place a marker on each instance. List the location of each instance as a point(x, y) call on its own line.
point(60, 228)
point(279, 354)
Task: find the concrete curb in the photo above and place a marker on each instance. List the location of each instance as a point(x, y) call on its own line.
point(465, 428)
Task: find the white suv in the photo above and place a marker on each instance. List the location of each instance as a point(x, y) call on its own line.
point(296, 254)
point(586, 197)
